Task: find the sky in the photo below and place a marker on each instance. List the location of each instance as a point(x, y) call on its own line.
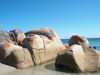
point(65, 17)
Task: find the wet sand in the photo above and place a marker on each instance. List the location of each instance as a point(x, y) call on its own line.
point(45, 69)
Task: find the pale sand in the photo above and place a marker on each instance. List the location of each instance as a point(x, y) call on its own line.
point(45, 69)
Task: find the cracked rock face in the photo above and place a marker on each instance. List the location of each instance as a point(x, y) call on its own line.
point(27, 50)
point(43, 46)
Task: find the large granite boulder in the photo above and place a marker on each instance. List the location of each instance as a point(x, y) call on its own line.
point(49, 33)
point(8, 42)
point(44, 45)
point(78, 58)
point(11, 53)
point(20, 58)
point(80, 40)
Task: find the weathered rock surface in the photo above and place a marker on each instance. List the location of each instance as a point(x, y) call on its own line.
point(32, 48)
point(5, 44)
point(43, 44)
point(19, 58)
point(17, 35)
point(78, 58)
point(22, 58)
point(8, 41)
point(80, 40)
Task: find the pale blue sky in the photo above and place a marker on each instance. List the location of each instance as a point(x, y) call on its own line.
point(66, 17)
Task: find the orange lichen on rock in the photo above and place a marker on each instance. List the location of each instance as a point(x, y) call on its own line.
point(6, 45)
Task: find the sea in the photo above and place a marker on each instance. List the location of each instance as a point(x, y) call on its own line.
point(93, 42)
point(47, 68)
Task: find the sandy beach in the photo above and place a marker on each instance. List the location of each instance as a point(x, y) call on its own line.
point(44, 69)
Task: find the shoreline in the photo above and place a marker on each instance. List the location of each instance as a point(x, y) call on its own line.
point(44, 69)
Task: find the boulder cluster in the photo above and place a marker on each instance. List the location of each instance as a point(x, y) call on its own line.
point(23, 50)
point(79, 56)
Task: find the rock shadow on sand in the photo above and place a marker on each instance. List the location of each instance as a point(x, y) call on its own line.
point(51, 66)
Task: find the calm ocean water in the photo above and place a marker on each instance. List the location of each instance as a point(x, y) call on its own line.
point(93, 42)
